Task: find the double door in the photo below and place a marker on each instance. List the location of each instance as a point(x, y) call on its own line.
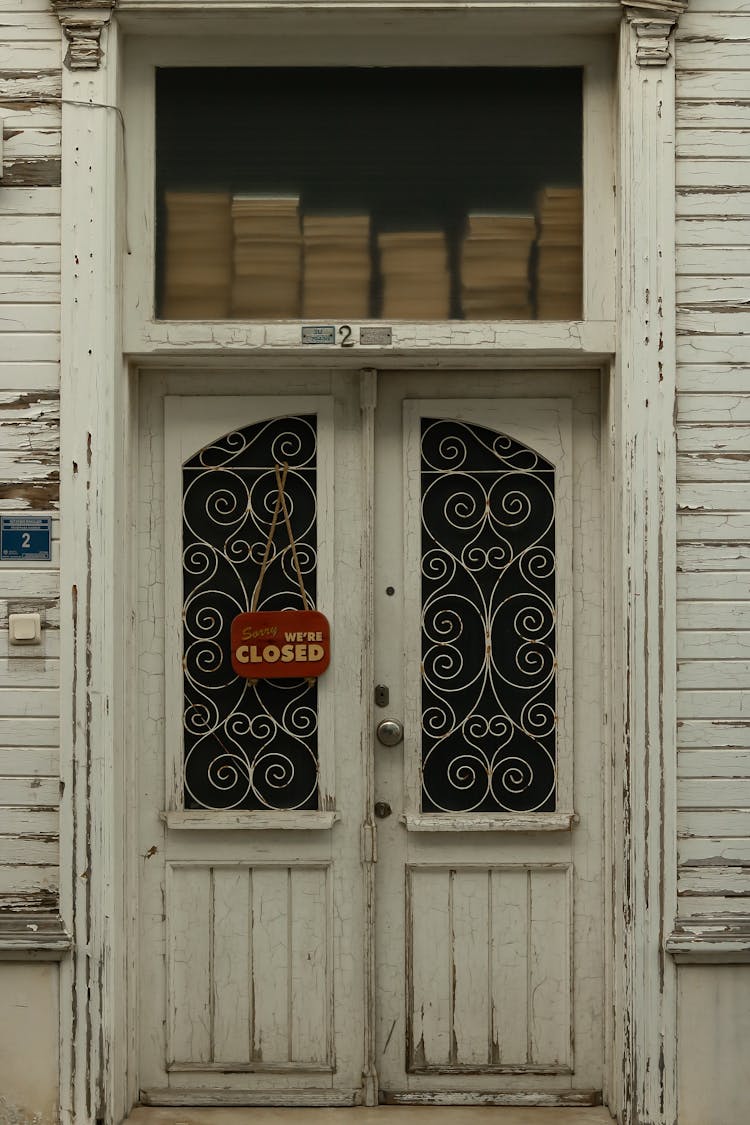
point(386, 883)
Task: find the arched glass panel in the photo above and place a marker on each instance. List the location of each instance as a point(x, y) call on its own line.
point(246, 745)
point(488, 622)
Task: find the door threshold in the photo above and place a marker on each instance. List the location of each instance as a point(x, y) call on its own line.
point(378, 1115)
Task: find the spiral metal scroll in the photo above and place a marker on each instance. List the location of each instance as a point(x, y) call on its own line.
point(247, 746)
point(488, 622)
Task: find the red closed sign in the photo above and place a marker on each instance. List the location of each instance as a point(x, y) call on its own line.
point(280, 645)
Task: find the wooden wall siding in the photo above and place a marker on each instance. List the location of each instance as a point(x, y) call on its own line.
point(30, 88)
point(713, 432)
point(249, 968)
point(509, 1012)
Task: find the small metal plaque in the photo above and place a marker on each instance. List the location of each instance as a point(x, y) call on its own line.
point(379, 335)
point(318, 334)
point(26, 538)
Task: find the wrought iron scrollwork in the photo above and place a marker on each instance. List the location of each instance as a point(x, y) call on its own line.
point(246, 745)
point(488, 622)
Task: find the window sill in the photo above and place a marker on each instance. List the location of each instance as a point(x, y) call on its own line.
point(220, 821)
point(487, 822)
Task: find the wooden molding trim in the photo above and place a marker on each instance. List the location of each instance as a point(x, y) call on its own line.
point(33, 937)
point(711, 941)
point(82, 22)
point(654, 22)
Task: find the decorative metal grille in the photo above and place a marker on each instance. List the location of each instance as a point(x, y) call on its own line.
point(488, 622)
point(247, 745)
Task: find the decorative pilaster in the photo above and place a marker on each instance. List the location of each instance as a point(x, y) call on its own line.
point(653, 22)
point(644, 534)
point(82, 22)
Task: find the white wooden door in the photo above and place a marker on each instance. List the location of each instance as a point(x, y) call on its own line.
point(488, 639)
point(252, 794)
point(256, 912)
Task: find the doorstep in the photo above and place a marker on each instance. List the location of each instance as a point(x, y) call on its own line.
point(379, 1115)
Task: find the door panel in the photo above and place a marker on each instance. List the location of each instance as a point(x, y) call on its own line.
point(493, 893)
point(252, 903)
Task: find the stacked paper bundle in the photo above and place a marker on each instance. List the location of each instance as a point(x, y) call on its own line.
point(495, 267)
point(336, 280)
point(415, 275)
point(267, 257)
point(559, 270)
point(197, 256)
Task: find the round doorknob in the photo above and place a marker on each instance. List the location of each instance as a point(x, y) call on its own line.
point(390, 732)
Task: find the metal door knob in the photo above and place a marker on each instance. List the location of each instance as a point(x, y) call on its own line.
point(390, 732)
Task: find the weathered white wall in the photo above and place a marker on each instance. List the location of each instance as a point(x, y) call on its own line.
point(28, 1044)
point(30, 65)
point(713, 323)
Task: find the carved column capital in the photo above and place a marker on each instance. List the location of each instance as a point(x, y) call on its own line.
point(653, 21)
point(82, 22)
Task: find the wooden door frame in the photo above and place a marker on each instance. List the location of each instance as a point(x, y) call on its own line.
point(98, 870)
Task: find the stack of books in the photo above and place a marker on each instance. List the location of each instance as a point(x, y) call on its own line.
point(559, 268)
point(415, 276)
point(336, 275)
point(495, 266)
point(267, 257)
point(197, 256)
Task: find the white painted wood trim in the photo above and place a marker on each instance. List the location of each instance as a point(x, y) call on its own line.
point(643, 660)
point(94, 548)
point(191, 1097)
point(719, 941)
point(485, 822)
point(197, 820)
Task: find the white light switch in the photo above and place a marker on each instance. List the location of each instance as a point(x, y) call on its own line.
point(24, 628)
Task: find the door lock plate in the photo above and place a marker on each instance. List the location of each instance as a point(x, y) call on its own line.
point(382, 695)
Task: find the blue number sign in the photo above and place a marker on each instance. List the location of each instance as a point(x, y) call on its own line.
point(26, 538)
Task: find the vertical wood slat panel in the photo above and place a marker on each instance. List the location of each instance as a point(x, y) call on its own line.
point(430, 969)
point(470, 924)
point(308, 967)
point(508, 966)
point(549, 967)
point(271, 964)
point(190, 1001)
point(232, 1001)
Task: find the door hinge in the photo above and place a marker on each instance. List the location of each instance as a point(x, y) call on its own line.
point(369, 843)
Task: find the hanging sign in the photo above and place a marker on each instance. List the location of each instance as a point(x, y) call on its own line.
point(281, 644)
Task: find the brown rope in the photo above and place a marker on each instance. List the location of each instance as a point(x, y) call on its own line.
point(281, 472)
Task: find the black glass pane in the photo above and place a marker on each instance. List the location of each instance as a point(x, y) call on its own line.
point(348, 193)
point(247, 746)
point(488, 622)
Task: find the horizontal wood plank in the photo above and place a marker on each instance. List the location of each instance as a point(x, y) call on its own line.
point(714, 55)
point(724, 703)
point(31, 230)
point(725, 21)
point(29, 288)
point(712, 467)
point(29, 732)
point(24, 821)
point(712, 114)
point(29, 201)
point(712, 293)
point(31, 144)
point(714, 851)
point(712, 378)
point(44, 258)
point(712, 261)
point(18, 880)
point(32, 346)
point(724, 407)
point(29, 318)
point(712, 321)
point(31, 55)
point(692, 824)
point(29, 761)
point(44, 850)
point(697, 644)
point(712, 173)
point(697, 881)
point(703, 585)
point(24, 377)
point(712, 674)
point(32, 703)
point(700, 734)
point(713, 793)
point(706, 349)
point(30, 791)
point(713, 763)
point(695, 438)
point(721, 527)
point(713, 556)
point(712, 143)
point(716, 615)
point(727, 497)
